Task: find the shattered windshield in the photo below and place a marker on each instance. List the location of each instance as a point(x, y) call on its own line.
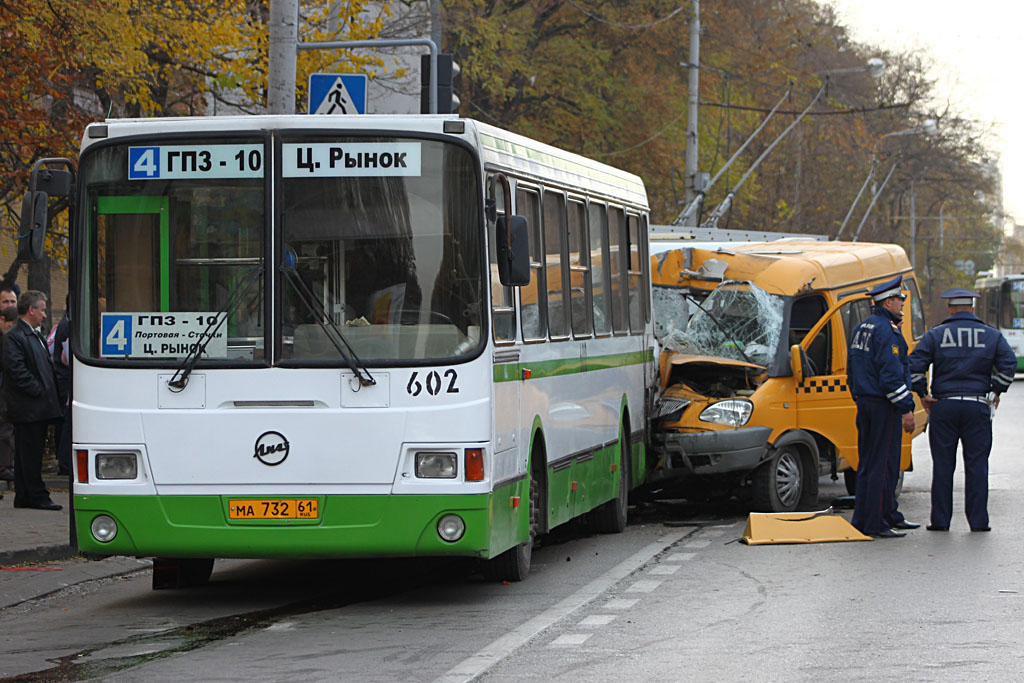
point(738, 320)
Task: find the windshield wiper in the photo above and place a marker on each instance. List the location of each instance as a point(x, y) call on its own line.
point(316, 308)
point(728, 333)
point(179, 380)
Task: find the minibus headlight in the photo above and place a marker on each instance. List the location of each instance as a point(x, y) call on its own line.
point(436, 465)
point(117, 466)
point(669, 409)
point(734, 412)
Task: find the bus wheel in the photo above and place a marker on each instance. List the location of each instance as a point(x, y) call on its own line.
point(514, 563)
point(179, 572)
point(610, 517)
point(778, 482)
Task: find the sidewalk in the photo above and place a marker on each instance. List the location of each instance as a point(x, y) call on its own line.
point(36, 556)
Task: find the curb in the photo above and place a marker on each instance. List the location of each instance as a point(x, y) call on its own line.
point(43, 553)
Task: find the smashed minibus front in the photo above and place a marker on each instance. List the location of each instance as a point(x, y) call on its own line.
point(753, 396)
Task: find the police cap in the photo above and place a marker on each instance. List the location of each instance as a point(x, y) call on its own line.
point(959, 296)
point(893, 287)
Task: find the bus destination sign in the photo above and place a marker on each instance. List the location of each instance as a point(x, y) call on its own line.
point(190, 162)
point(160, 335)
point(336, 160)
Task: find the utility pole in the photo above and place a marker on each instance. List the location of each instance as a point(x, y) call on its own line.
point(693, 96)
point(913, 226)
point(435, 22)
point(284, 37)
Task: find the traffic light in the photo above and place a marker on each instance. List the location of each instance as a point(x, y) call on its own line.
point(447, 70)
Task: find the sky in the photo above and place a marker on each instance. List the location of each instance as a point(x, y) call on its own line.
point(976, 54)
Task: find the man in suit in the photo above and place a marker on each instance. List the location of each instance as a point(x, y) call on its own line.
point(30, 387)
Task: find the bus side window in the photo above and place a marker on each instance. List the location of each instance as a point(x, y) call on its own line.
point(554, 272)
point(600, 268)
point(532, 299)
point(619, 291)
point(637, 300)
point(503, 314)
point(579, 270)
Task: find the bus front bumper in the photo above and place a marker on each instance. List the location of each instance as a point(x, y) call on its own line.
point(711, 452)
point(346, 526)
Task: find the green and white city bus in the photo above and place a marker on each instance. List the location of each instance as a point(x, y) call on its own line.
point(1002, 306)
point(373, 336)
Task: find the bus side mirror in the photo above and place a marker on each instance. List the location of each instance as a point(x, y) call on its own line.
point(43, 184)
point(513, 251)
point(796, 362)
point(33, 227)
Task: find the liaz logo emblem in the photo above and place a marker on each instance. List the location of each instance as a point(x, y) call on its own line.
point(271, 448)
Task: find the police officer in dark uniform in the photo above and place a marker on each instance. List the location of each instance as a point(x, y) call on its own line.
point(972, 364)
point(879, 380)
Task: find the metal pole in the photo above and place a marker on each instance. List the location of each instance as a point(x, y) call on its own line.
point(283, 36)
point(382, 42)
point(874, 199)
point(913, 225)
point(693, 96)
point(856, 200)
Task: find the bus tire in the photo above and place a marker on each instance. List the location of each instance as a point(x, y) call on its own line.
point(514, 563)
point(778, 482)
point(181, 572)
point(611, 517)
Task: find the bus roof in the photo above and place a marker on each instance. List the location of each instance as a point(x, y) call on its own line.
point(789, 266)
point(499, 149)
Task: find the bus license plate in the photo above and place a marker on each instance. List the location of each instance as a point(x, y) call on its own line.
point(276, 508)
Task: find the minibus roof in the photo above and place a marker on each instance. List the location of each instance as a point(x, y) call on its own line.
point(787, 266)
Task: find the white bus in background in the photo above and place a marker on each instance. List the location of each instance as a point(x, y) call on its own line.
point(305, 336)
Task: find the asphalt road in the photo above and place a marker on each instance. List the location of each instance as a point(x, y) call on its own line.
point(675, 598)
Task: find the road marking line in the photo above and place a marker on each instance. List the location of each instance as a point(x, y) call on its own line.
point(643, 586)
point(697, 543)
point(475, 665)
point(570, 639)
point(598, 620)
point(679, 557)
point(619, 603)
point(664, 569)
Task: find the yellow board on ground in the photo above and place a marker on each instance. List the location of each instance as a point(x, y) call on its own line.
point(799, 527)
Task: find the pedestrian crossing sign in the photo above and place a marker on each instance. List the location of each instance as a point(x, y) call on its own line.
point(337, 94)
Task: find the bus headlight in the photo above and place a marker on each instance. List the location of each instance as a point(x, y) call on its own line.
point(436, 465)
point(734, 412)
point(103, 528)
point(117, 466)
point(451, 528)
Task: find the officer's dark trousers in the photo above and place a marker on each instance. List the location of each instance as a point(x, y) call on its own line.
point(967, 422)
point(29, 444)
point(879, 430)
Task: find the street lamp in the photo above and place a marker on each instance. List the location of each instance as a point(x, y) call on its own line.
point(929, 127)
point(874, 67)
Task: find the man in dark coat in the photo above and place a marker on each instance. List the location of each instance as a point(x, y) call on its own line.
point(30, 387)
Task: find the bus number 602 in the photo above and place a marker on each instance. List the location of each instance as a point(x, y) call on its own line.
point(433, 383)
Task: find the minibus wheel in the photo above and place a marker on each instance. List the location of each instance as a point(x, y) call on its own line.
point(778, 482)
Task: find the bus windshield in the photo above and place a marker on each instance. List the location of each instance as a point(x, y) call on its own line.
point(377, 238)
point(168, 233)
point(385, 237)
point(1012, 305)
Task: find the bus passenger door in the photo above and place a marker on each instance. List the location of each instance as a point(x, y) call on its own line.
point(509, 458)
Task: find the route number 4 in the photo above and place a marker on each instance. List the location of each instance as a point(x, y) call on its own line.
point(117, 337)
